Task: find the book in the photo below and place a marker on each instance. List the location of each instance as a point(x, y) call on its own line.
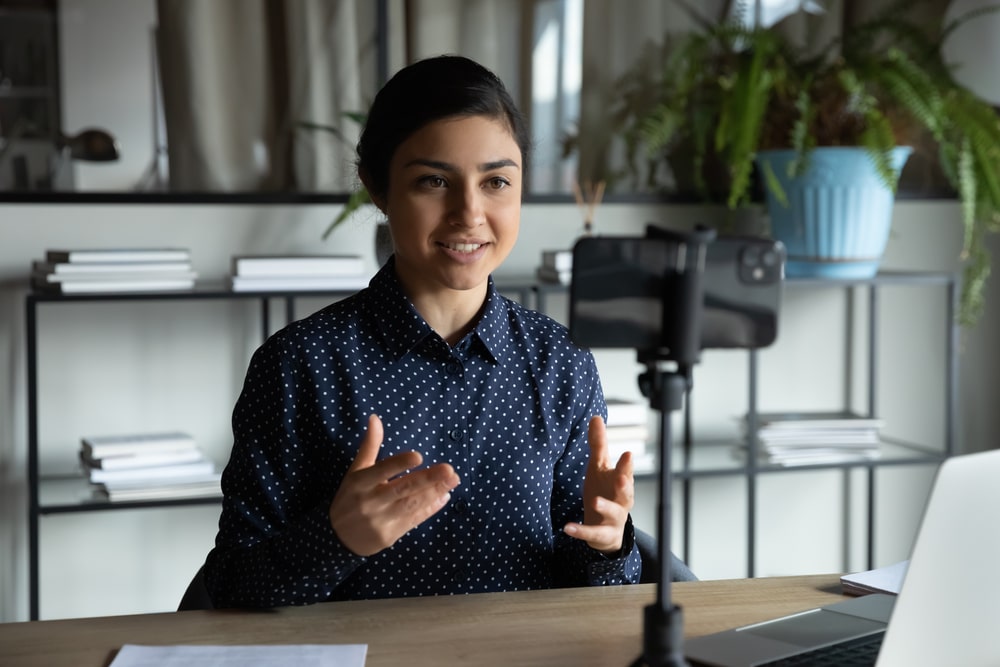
point(303, 265)
point(560, 260)
point(119, 276)
point(107, 285)
point(101, 446)
point(624, 413)
point(152, 474)
point(814, 420)
point(92, 255)
point(59, 268)
point(194, 486)
point(142, 459)
point(296, 283)
point(628, 432)
point(818, 455)
point(549, 275)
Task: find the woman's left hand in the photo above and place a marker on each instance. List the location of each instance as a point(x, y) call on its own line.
point(608, 495)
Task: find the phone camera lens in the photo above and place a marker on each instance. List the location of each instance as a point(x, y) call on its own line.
point(751, 256)
point(769, 258)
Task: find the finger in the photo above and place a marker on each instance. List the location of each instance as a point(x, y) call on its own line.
point(419, 509)
point(597, 439)
point(370, 445)
point(391, 467)
point(606, 538)
point(625, 465)
point(418, 486)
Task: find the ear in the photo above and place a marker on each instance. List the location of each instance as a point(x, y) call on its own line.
point(366, 181)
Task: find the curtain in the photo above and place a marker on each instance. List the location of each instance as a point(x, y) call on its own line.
point(255, 92)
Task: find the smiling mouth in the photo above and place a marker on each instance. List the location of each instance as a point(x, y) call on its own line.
point(463, 247)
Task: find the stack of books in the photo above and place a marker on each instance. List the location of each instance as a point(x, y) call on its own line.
point(269, 273)
point(628, 431)
point(147, 466)
point(113, 270)
point(810, 438)
point(556, 267)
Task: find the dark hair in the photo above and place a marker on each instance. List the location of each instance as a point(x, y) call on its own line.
point(426, 91)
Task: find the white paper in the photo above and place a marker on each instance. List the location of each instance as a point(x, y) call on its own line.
point(299, 655)
point(887, 579)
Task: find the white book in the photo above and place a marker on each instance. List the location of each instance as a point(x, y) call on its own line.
point(307, 283)
point(628, 432)
point(643, 462)
point(794, 440)
point(116, 276)
point(152, 474)
point(108, 267)
point(91, 255)
point(105, 286)
point(619, 447)
point(143, 459)
point(815, 420)
point(292, 265)
point(100, 446)
point(549, 275)
point(625, 413)
point(560, 260)
point(196, 486)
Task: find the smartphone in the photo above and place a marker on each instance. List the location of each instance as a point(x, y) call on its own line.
point(621, 294)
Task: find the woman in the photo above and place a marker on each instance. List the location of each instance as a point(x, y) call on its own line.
point(425, 436)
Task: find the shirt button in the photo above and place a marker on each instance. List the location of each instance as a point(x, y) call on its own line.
point(461, 506)
point(453, 368)
point(456, 434)
point(461, 574)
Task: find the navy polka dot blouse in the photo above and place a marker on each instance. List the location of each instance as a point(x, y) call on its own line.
point(508, 407)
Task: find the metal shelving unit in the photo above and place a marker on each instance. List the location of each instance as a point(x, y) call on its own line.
point(695, 460)
point(49, 496)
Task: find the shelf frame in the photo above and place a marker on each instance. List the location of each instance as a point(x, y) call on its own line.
point(533, 294)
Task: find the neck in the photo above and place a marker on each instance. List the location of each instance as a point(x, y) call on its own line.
point(451, 313)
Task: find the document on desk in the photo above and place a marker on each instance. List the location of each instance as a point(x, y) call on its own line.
point(887, 579)
point(299, 655)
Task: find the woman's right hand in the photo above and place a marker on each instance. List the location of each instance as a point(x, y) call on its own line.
point(376, 504)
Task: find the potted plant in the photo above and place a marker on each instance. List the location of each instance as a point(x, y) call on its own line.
point(749, 100)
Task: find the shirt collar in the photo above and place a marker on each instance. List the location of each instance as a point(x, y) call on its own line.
point(402, 328)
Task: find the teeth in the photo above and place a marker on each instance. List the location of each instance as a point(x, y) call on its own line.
point(463, 247)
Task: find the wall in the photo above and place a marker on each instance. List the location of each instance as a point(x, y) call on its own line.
point(128, 365)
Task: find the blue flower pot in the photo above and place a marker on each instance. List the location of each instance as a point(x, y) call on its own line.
point(836, 223)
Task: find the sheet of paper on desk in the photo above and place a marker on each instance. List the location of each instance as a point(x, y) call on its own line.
point(299, 655)
point(888, 579)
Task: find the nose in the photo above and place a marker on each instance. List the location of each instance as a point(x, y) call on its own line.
point(467, 208)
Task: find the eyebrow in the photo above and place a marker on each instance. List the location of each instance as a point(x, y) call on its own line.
point(447, 166)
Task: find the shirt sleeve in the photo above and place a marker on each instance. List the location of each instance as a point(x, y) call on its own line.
point(275, 544)
point(576, 564)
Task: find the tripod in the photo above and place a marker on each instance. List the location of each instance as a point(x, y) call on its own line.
point(663, 621)
point(665, 385)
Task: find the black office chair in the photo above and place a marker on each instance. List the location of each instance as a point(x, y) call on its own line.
point(196, 595)
point(648, 552)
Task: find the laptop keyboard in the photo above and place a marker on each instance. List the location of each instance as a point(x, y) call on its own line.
point(860, 652)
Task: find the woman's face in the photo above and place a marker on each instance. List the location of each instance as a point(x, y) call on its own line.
point(454, 202)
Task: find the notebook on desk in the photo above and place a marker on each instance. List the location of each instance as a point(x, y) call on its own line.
point(947, 611)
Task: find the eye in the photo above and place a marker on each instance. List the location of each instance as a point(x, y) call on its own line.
point(432, 181)
point(498, 183)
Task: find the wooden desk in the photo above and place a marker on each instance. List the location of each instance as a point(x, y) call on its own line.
point(578, 627)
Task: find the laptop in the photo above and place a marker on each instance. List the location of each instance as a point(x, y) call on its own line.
point(948, 608)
